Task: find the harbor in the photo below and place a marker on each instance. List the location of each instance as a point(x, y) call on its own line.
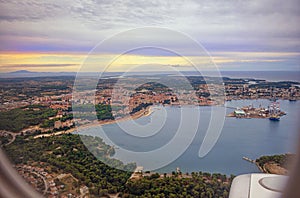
point(272, 112)
point(252, 137)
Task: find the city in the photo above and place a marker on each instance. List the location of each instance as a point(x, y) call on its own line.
point(50, 100)
point(149, 99)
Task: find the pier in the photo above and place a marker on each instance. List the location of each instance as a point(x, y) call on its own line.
point(248, 159)
point(254, 162)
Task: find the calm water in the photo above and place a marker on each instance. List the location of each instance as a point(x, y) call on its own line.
point(262, 75)
point(240, 137)
point(265, 75)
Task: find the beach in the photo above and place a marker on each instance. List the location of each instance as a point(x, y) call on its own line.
point(142, 113)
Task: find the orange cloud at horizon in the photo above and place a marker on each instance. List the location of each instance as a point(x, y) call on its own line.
point(71, 62)
point(11, 61)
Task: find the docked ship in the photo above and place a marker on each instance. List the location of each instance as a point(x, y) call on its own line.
point(274, 111)
point(274, 118)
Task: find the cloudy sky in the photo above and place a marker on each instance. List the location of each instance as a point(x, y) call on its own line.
point(57, 35)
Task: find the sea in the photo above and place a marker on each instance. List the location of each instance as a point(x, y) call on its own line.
point(156, 143)
point(265, 75)
point(262, 75)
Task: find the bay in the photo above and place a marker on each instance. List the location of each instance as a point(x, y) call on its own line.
point(239, 137)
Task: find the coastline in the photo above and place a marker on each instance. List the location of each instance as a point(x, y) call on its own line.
point(142, 113)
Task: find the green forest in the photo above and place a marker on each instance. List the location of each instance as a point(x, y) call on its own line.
point(198, 185)
point(281, 159)
point(20, 118)
point(67, 154)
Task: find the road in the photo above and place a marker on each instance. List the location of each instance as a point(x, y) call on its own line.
point(44, 180)
point(10, 133)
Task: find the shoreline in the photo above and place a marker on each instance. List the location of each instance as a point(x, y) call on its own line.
point(142, 113)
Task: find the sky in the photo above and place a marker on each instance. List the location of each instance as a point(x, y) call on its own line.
point(58, 35)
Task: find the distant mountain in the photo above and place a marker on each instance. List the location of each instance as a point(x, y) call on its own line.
point(26, 73)
point(21, 72)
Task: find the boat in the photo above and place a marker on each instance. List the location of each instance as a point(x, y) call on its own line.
point(274, 111)
point(292, 100)
point(274, 118)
